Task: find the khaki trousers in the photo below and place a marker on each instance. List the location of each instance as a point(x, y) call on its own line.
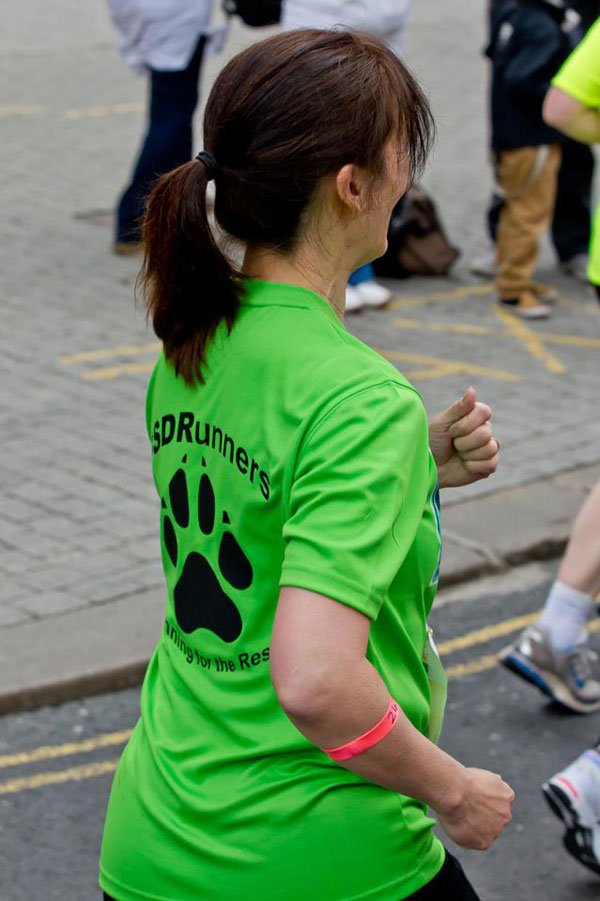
point(527, 178)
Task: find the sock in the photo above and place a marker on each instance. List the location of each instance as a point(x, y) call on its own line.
point(592, 754)
point(565, 615)
point(587, 778)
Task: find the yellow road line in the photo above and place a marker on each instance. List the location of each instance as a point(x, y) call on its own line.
point(480, 636)
point(108, 353)
point(530, 340)
point(95, 112)
point(488, 661)
point(465, 328)
point(586, 307)
point(440, 296)
point(50, 752)
point(459, 328)
point(74, 774)
point(113, 372)
point(436, 367)
point(570, 340)
point(475, 666)
point(90, 112)
point(6, 111)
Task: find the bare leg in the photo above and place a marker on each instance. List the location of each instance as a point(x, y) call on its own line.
point(580, 567)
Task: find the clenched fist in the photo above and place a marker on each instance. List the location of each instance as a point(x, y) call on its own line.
point(462, 442)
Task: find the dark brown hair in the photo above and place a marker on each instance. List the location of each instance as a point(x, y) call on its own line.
point(281, 115)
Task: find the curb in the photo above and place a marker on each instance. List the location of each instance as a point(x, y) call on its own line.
point(94, 650)
point(128, 676)
point(546, 549)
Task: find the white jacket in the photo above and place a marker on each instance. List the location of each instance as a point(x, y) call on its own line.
point(162, 34)
point(385, 18)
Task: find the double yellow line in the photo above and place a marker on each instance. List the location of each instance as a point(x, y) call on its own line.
point(112, 739)
point(51, 752)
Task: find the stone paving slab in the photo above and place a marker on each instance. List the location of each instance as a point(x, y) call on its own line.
point(79, 516)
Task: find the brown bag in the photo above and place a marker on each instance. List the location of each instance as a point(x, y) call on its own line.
point(417, 242)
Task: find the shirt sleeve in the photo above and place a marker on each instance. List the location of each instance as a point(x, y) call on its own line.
point(357, 497)
point(580, 74)
point(149, 398)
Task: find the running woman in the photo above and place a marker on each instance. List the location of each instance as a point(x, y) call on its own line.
point(286, 747)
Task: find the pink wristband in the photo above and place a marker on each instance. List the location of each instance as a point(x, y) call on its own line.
point(368, 739)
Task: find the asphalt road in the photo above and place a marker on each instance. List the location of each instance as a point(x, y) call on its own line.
point(52, 801)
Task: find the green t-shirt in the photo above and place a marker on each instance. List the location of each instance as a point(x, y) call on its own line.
point(580, 77)
point(303, 460)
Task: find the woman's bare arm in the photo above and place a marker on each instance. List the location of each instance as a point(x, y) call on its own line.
point(574, 119)
point(332, 694)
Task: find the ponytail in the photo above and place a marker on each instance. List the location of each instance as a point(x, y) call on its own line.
point(188, 285)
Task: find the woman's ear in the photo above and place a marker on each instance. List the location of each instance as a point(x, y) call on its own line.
point(351, 187)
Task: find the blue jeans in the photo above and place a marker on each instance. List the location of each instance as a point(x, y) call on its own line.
point(364, 273)
point(168, 139)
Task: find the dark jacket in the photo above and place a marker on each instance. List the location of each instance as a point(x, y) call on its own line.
point(530, 39)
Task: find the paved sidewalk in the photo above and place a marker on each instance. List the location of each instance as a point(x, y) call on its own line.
point(78, 532)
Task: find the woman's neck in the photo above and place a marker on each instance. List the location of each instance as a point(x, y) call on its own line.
point(324, 276)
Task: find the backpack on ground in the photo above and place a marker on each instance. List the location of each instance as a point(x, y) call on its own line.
point(417, 242)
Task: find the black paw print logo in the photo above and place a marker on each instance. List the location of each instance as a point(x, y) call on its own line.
point(200, 602)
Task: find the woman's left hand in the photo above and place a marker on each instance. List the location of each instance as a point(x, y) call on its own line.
point(462, 442)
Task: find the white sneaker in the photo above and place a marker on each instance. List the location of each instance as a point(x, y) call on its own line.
point(372, 294)
point(574, 796)
point(577, 267)
point(484, 265)
point(526, 305)
point(354, 301)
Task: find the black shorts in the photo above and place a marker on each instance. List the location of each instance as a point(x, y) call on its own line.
point(450, 884)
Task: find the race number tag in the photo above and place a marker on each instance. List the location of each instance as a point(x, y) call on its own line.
point(438, 687)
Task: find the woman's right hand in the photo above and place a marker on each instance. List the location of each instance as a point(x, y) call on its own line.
point(482, 812)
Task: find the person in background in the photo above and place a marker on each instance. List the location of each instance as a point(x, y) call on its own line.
point(529, 41)
point(553, 654)
point(571, 222)
point(572, 105)
point(387, 20)
point(167, 39)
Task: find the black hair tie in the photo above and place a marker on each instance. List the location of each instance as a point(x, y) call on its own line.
point(212, 167)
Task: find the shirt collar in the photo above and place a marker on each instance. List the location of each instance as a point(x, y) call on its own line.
point(260, 293)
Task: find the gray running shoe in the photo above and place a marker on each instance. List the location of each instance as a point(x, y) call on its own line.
point(565, 676)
